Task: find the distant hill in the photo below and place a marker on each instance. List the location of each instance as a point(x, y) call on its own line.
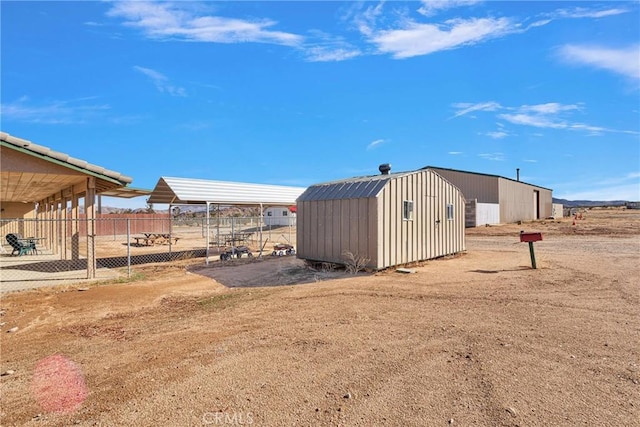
point(588, 203)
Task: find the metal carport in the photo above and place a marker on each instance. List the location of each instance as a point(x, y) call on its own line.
point(187, 191)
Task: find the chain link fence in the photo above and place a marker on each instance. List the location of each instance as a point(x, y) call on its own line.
point(61, 251)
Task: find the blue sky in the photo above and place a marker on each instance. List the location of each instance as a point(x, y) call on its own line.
point(296, 93)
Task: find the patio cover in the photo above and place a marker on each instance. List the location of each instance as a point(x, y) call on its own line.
point(33, 173)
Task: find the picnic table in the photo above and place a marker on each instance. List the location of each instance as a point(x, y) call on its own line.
point(149, 238)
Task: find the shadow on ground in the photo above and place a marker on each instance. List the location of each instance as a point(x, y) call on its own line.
point(265, 272)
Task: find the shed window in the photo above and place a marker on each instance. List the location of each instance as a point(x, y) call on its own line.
point(268, 213)
point(407, 209)
point(285, 213)
point(450, 212)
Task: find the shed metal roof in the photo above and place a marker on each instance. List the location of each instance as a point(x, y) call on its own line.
point(351, 188)
point(188, 191)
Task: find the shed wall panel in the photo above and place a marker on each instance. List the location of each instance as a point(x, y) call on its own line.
point(322, 225)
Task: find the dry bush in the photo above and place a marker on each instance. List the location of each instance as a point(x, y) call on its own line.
point(327, 267)
point(354, 262)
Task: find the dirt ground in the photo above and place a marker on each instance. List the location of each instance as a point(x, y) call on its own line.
point(475, 339)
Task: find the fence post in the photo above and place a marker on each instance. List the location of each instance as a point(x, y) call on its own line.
point(128, 247)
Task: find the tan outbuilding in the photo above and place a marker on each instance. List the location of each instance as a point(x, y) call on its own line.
point(493, 199)
point(390, 219)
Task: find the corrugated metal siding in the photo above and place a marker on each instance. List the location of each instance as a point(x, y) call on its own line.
point(327, 228)
point(374, 226)
point(484, 188)
point(193, 191)
point(518, 203)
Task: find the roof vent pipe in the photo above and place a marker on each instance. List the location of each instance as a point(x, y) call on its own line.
point(518, 174)
point(384, 168)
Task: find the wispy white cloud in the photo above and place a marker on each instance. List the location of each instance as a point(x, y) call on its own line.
point(530, 161)
point(551, 115)
point(582, 12)
point(407, 36)
point(455, 153)
point(549, 108)
point(498, 157)
point(325, 54)
point(375, 144)
point(496, 134)
point(58, 112)
point(366, 20)
point(540, 121)
point(432, 7)
point(161, 81)
point(184, 21)
point(414, 39)
point(624, 61)
point(575, 13)
point(466, 107)
point(553, 122)
point(323, 47)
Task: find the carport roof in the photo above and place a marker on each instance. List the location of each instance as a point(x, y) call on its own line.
point(188, 191)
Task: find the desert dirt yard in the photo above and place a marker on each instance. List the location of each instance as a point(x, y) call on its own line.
point(474, 339)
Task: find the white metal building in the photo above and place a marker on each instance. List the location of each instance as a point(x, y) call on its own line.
point(279, 216)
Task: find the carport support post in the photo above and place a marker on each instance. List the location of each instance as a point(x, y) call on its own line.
point(208, 240)
point(233, 242)
point(533, 256)
point(261, 221)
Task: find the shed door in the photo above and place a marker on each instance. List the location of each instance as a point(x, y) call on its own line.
point(536, 204)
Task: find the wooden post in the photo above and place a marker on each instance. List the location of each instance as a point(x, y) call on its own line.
point(90, 214)
point(533, 256)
